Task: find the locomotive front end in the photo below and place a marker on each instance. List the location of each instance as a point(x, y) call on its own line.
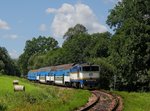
point(85, 75)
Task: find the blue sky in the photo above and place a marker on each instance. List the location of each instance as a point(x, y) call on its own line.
point(21, 20)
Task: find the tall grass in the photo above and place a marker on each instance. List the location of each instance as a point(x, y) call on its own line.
point(135, 101)
point(39, 97)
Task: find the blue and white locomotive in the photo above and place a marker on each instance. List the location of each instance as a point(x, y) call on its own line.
point(76, 75)
point(84, 75)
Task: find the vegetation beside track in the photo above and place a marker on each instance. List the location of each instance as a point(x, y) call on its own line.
point(135, 101)
point(39, 97)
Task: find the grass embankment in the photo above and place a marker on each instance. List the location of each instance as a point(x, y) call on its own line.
point(39, 97)
point(135, 101)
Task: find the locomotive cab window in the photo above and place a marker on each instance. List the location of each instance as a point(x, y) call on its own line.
point(86, 68)
point(94, 68)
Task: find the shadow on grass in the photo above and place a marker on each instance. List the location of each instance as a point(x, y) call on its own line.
point(3, 107)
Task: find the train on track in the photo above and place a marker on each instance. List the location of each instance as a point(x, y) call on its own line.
point(71, 75)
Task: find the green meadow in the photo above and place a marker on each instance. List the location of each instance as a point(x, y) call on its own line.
point(38, 97)
point(135, 101)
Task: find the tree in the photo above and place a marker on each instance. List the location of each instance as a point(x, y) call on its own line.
point(40, 45)
point(36, 61)
point(99, 44)
point(56, 57)
point(130, 46)
point(76, 48)
point(77, 29)
point(7, 65)
point(2, 66)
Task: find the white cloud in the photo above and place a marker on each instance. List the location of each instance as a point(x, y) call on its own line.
point(69, 15)
point(66, 8)
point(42, 27)
point(11, 36)
point(4, 25)
point(50, 10)
point(14, 54)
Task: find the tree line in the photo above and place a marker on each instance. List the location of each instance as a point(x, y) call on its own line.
point(7, 65)
point(124, 57)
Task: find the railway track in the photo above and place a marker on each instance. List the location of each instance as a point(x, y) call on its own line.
point(103, 101)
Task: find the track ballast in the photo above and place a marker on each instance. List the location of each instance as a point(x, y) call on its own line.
point(104, 101)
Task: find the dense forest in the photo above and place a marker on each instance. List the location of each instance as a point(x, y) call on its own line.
point(124, 57)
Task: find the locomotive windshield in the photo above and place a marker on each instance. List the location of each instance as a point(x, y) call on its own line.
point(90, 68)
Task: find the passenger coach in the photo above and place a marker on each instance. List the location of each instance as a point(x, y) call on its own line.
point(32, 75)
point(43, 73)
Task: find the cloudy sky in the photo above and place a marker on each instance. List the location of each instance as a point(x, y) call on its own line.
point(21, 20)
